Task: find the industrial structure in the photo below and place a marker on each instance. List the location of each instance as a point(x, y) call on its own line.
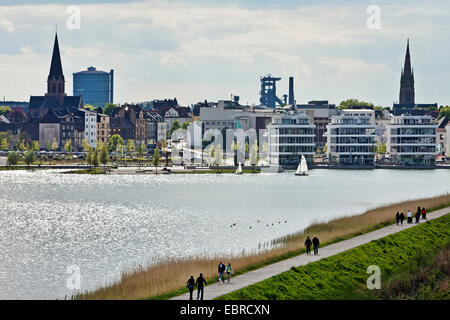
point(268, 92)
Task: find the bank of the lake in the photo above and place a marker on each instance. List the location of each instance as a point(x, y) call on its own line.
point(344, 275)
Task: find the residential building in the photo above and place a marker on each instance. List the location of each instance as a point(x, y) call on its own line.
point(180, 114)
point(90, 127)
point(153, 119)
point(321, 112)
point(412, 140)
point(95, 86)
point(290, 136)
point(351, 138)
point(128, 121)
point(448, 140)
point(103, 128)
point(441, 135)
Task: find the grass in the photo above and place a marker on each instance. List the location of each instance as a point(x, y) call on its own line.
point(344, 275)
point(219, 171)
point(88, 171)
point(166, 279)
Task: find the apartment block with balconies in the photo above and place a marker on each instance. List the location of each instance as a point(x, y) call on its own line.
point(412, 140)
point(351, 138)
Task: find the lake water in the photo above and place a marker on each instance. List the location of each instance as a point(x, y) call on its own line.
point(105, 224)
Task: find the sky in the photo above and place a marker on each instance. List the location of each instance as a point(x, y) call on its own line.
point(203, 49)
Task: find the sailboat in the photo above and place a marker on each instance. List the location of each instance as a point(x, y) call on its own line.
point(302, 169)
point(239, 169)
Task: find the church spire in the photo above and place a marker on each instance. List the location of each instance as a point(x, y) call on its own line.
point(407, 95)
point(55, 80)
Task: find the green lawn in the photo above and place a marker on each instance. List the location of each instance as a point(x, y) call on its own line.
point(344, 276)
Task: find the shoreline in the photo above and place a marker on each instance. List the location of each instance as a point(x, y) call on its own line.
point(166, 279)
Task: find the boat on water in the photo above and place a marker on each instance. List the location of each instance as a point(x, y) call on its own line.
point(302, 169)
point(239, 169)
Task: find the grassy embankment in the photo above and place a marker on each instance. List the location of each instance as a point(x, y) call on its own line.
point(403, 258)
point(166, 279)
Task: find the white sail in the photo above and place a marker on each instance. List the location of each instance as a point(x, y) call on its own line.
point(303, 165)
point(239, 169)
point(298, 169)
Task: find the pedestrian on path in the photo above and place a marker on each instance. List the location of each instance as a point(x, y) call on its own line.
point(190, 285)
point(229, 271)
point(221, 270)
point(402, 217)
point(315, 242)
point(409, 216)
point(308, 244)
point(418, 215)
point(397, 217)
point(200, 282)
point(424, 214)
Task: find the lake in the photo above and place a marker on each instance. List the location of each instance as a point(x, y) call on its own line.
point(106, 224)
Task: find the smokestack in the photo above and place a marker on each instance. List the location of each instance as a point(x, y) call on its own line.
point(291, 90)
point(111, 86)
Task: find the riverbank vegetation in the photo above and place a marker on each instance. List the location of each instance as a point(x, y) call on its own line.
point(165, 279)
point(403, 259)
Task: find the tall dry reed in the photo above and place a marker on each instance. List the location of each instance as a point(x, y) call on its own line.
point(172, 274)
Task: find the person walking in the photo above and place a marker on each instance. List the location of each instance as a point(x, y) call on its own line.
point(315, 242)
point(190, 285)
point(229, 271)
point(397, 217)
point(221, 270)
point(200, 282)
point(308, 244)
point(409, 216)
point(402, 217)
point(424, 214)
point(418, 215)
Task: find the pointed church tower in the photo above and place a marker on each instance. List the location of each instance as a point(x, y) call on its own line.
point(407, 95)
point(55, 80)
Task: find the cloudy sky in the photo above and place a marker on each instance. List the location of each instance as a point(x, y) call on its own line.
point(205, 49)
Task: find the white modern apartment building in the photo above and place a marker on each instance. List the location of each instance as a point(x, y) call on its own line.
point(411, 140)
point(90, 127)
point(290, 136)
point(351, 138)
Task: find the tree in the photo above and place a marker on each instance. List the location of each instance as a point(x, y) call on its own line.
point(175, 126)
point(86, 146)
point(131, 146)
point(89, 158)
point(324, 149)
point(22, 145)
point(29, 157)
point(253, 157)
point(185, 125)
point(141, 148)
point(104, 157)
point(444, 112)
point(54, 145)
point(17, 115)
point(352, 103)
point(13, 158)
point(4, 110)
point(94, 160)
point(156, 158)
point(4, 144)
point(114, 141)
point(35, 146)
point(68, 146)
point(89, 107)
point(218, 155)
point(49, 145)
point(109, 108)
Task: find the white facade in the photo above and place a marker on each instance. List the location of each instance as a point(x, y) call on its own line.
point(411, 140)
point(351, 137)
point(290, 136)
point(90, 127)
point(448, 140)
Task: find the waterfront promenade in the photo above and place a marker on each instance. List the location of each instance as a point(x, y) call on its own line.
point(217, 290)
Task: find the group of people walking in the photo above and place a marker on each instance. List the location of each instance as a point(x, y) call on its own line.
point(421, 212)
point(315, 243)
point(201, 281)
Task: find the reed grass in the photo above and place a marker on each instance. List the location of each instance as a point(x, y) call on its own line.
point(167, 278)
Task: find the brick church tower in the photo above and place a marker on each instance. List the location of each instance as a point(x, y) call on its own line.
point(55, 80)
point(407, 82)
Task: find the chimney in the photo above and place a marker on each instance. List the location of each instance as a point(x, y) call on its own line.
point(291, 90)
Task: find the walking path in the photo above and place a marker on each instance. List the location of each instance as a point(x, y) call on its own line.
point(252, 277)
